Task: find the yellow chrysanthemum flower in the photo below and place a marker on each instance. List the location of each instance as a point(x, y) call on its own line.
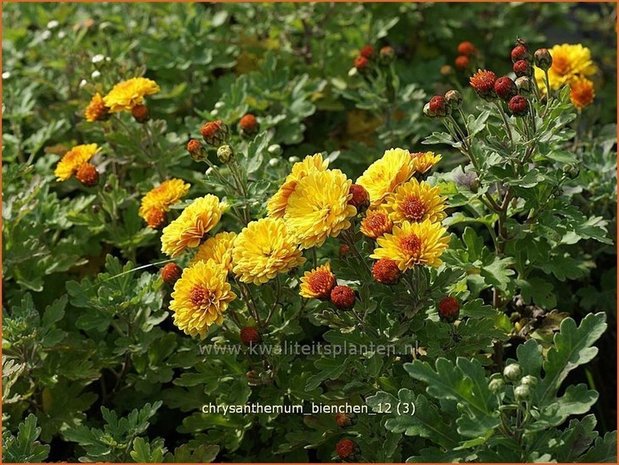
point(96, 109)
point(127, 94)
point(276, 206)
point(158, 201)
point(217, 248)
point(73, 159)
point(376, 223)
point(384, 175)
point(318, 207)
point(193, 223)
point(568, 62)
point(263, 249)
point(423, 161)
point(416, 201)
point(317, 283)
point(200, 298)
point(582, 92)
point(413, 244)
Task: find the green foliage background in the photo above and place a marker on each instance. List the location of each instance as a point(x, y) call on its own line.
point(94, 370)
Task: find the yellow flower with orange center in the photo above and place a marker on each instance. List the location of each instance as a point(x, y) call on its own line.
point(200, 298)
point(73, 159)
point(263, 249)
point(318, 208)
point(376, 223)
point(193, 223)
point(568, 62)
point(317, 283)
point(582, 92)
point(413, 244)
point(276, 206)
point(127, 94)
point(158, 201)
point(423, 161)
point(385, 174)
point(416, 201)
point(217, 248)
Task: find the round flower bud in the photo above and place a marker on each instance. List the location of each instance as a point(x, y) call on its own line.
point(520, 52)
point(248, 125)
point(360, 198)
point(140, 113)
point(386, 55)
point(250, 336)
point(505, 88)
point(275, 150)
point(571, 171)
point(170, 273)
point(523, 68)
point(344, 250)
point(528, 380)
point(449, 309)
point(195, 149)
point(225, 153)
point(214, 132)
point(542, 58)
point(518, 105)
point(343, 420)
point(438, 106)
point(512, 372)
point(522, 392)
point(367, 51)
point(343, 297)
point(386, 271)
point(361, 63)
point(462, 62)
point(453, 99)
point(496, 385)
point(346, 449)
point(446, 70)
point(524, 85)
point(87, 174)
point(466, 48)
point(483, 83)
point(274, 161)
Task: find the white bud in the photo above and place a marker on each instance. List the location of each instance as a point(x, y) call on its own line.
point(46, 35)
point(95, 74)
point(62, 35)
point(98, 58)
point(219, 104)
point(6, 75)
point(275, 149)
point(208, 171)
point(83, 82)
point(352, 72)
point(53, 24)
point(273, 161)
point(512, 372)
point(294, 159)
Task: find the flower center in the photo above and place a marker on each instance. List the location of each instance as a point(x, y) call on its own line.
point(321, 282)
point(200, 296)
point(412, 245)
point(560, 65)
point(413, 208)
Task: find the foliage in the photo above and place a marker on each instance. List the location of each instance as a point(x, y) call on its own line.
point(94, 368)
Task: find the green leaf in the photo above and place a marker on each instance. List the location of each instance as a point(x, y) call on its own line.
point(144, 452)
point(572, 348)
point(24, 447)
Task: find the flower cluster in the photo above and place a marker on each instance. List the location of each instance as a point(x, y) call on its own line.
point(467, 54)
point(125, 96)
point(570, 65)
point(367, 57)
point(158, 201)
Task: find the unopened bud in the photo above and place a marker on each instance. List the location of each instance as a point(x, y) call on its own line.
point(225, 153)
point(453, 99)
point(522, 392)
point(513, 372)
point(524, 85)
point(543, 59)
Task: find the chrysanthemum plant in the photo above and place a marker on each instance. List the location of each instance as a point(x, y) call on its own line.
point(513, 203)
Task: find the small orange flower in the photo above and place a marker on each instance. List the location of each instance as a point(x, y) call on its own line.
point(96, 110)
point(423, 161)
point(582, 92)
point(376, 223)
point(483, 82)
point(318, 283)
point(87, 174)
